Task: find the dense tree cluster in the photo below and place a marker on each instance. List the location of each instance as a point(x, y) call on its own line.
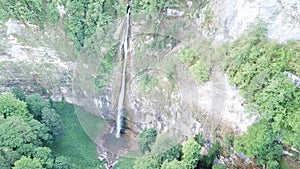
point(23, 138)
point(261, 143)
point(165, 152)
point(84, 17)
point(257, 65)
point(146, 139)
point(33, 11)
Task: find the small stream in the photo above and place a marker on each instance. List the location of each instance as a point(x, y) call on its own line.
point(121, 97)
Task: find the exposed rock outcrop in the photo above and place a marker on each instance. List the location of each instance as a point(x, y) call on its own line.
point(233, 17)
point(29, 64)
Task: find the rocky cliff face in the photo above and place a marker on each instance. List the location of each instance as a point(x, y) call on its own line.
point(233, 17)
point(28, 62)
point(29, 58)
point(223, 21)
point(34, 59)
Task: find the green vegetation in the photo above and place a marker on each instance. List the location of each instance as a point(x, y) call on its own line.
point(191, 154)
point(62, 162)
point(127, 161)
point(152, 6)
point(148, 83)
point(219, 166)
point(33, 11)
point(11, 106)
point(146, 139)
point(199, 71)
point(82, 20)
point(105, 69)
point(19, 94)
point(165, 148)
point(260, 143)
point(284, 164)
point(197, 67)
point(75, 145)
point(90, 123)
point(253, 63)
point(36, 105)
point(163, 41)
point(257, 67)
point(24, 140)
point(175, 164)
point(207, 24)
point(84, 17)
point(53, 121)
point(187, 56)
point(206, 161)
point(167, 153)
point(28, 163)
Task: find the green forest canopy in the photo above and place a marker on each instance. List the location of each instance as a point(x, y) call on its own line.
point(25, 138)
point(257, 65)
point(254, 64)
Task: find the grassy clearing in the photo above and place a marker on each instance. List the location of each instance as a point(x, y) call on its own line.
point(76, 144)
point(127, 161)
point(90, 123)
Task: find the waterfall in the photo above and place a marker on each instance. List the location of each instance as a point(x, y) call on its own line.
point(120, 104)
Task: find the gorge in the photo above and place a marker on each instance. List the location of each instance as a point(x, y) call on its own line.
point(152, 65)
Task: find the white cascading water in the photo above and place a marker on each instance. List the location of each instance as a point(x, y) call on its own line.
point(120, 105)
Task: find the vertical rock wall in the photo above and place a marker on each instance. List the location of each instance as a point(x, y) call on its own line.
point(233, 17)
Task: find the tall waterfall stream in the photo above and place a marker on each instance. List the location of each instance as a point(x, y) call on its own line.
point(121, 97)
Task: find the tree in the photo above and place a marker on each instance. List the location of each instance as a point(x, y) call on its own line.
point(28, 163)
point(147, 162)
point(292, 136)
point(191, 153)
point(40, 130)
point(53, 121)
point(206, 161)
point(280, 96)
point(75, 22)
point(19, 94)
point(260, 142)
point(146, 140)
point(199, 139)
point(166, 148)
point(62, 162)
point(199, 71)
point(146, 5)
point(31, 10)
point(36, 104)
point(3, 163)
point(11, 106)
point(21, 136)
point(44, 155)
point(175, 164)
point(8, 156)
point(187, 56)
point(257, 66)
point(15, 132)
